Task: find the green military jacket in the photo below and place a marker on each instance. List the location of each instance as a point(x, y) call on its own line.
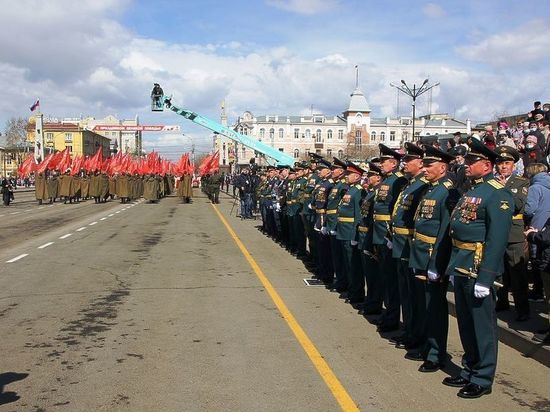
point(335, 195)
point(349, 213)
point(320, 200)
point(519, 187)
point(384, 202)
point(431, 244)
point(364, 229)
point(402, 217)
point(480, 224)
point(308, 198)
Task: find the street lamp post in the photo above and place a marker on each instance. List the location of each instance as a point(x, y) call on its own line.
point(414, 94)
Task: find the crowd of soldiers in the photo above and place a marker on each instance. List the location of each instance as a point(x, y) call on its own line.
point(390, 234)
point(51, 186)
point(210, 185)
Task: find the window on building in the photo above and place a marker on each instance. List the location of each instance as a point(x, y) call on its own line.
point(281, 134)
point(245, 131)
point(281, 149)
point(373, 136)
point(271, 134)
point(318, 151)
point(262, 133)
point(406, 136)
point(340, 154)
point(240, 130)
point(308, 133)
point(392, 136)
point(296, 153)
point(49, 137)
point(70, 147)
point(329, 152)
point(68, 137)
point(417, 134)
point(358, 139)
point(244, 152)
point(340, 134)
point(318, 136)
point(427, 134)
point(296, 133)
point(382, 136)
point(329, 134)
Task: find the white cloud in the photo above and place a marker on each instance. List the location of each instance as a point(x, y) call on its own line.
point(433, 10)
point(527, 43)
point(304, 6)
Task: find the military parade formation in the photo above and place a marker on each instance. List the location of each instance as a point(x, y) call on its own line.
point(390, 234)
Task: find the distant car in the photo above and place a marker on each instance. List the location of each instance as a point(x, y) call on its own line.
point(196, 181)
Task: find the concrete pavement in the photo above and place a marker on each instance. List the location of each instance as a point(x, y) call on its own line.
point(155, 308)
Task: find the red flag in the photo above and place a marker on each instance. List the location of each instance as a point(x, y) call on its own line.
point(44, 164)
point(35, 106)
point(28, 166)
point(63, 161)
point(96, 160)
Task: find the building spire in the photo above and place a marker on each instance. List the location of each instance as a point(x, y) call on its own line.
point(356, 76)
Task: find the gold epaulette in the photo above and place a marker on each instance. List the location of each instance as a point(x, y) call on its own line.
point(358, 186)
point(399, 174)
point(424, 180)
point(495, 184)
point(448, 184)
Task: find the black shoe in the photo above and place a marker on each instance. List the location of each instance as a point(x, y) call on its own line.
point(398, 339)
point(501, 307)
point(542, 338)
point(429, 366)
point(522, 318)
point(372, 311)
point(455, 381)
point(472, 391)
point(387, 328)
point(414, 356)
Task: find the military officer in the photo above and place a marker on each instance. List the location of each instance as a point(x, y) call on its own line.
point(429, 256)
point(308, 212)
point(292, 210)
point(515, 266)
point(369, 261)
point(325, 270)
point(384, 202)
point(349, 216)
point(298, 198)
point(402, 224)
point(280, 191)
point(338, 190)
point(479, 229)
point(457, 171)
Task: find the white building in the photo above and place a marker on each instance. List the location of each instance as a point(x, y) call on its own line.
point(354, 133)
point(127, 141)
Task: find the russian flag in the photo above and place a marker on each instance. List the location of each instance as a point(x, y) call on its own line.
point(35, 105)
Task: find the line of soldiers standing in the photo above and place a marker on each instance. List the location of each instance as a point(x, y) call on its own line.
point(72, 188)
point(405, 235)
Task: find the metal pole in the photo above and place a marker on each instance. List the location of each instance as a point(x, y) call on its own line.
point(414, 111)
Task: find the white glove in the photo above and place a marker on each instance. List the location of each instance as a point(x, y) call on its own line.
point(389, 244)
point(432, 276)
point(481, 291)
point(309, 205)
point(452, 280)
point(324, 230)
point(315, 228)
point(333, 232)
point(354, 242)
point(278, 207)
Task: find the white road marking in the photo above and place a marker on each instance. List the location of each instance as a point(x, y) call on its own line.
point(14, 213)
point(15, 259)
point(28, 210)
point(65, 236)
point(45, 245)
point(118, 211)
point(93, 223)
point(80, 229)
point(103, 218)
point(112, 214)
point(1, 215)
point(41, 207)
point(52, 205)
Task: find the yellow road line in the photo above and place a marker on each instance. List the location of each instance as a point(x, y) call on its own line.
point(337, 389)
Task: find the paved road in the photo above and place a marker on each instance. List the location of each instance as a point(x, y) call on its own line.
point(154, 307)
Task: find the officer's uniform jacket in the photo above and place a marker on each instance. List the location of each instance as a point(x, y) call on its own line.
point(431, 244)
point(349, 213)
point(290, 202)
point(364, 229)
point(335, 195)
point(402, 217)
point(480, 224)
point(519, 188)
point(308, 199)
point(384, 202)
point(320, 200)
point(299, 194)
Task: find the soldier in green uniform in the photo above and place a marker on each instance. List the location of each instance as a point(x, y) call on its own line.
point(349, 216)
point(429, 256)
point(384, 202)
point(291, 210)
point(479, 229)
point(369, 261)
point(515, 265)
point(215, 182)
point(308, 212)
point(411, 293)
point(325, 271)
point(335, 195)
point(298, 204)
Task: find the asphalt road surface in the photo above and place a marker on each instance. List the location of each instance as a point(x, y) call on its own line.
point(154, 307)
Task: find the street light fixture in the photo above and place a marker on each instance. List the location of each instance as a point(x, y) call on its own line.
point(414, 94)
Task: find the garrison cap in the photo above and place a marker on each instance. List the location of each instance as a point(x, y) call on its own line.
point(281, 167)
point(458, 150)
point(507, 153)
point(433, 154)
point(479, 151)
point(338, 164)
point(354, 168)
point(374, 170)
point(323, 164)
point(298, 166)
point(387, 153)
point(412, 151)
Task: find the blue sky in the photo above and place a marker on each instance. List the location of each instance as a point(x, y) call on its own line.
point(100, 57)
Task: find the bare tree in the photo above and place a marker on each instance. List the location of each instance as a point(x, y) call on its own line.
point(16, 131)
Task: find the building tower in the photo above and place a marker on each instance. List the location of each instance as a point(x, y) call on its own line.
point(357, 120)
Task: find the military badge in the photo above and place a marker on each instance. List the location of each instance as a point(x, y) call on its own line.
point(504, 205)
